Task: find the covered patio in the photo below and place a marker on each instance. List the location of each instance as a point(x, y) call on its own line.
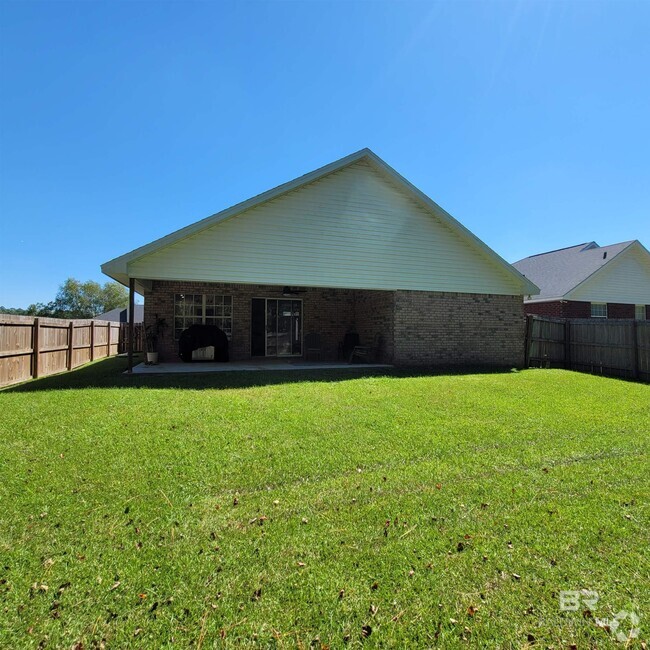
point(289, 327)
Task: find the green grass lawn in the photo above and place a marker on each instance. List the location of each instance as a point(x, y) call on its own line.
point(322, 509)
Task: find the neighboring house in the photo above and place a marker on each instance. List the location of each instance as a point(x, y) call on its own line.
point(590, 281)
point(350, 246)
point(121, 315)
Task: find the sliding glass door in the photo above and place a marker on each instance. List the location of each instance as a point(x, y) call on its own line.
point(276, 327)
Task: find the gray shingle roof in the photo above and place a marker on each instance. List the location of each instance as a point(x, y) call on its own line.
point(121, 315)
point(559, 271)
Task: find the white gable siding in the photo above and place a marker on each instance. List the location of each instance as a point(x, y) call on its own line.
point(626, 279)
point(353, 228)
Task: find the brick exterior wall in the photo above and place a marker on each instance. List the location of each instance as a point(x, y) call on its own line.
point(374, 319)
point(330, 312)
point(411, 327)
point(560, 309)
point(554, 309)
point(617, 310)
point(578, 309)
point(433, 328)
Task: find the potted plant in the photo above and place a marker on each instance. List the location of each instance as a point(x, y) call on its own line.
point(153, 332)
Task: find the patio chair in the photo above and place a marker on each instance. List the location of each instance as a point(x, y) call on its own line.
point(366, 353)
point(347, 345)
point(313, 345)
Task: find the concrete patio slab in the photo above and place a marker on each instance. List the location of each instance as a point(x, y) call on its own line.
point(237, 366)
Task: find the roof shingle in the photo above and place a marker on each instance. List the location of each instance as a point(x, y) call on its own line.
point(559, 271)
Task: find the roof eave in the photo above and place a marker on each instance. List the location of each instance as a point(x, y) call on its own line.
point(122, 277)
point(544, 299)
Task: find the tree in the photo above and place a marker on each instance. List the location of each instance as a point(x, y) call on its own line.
point(77, 299)
point(14, 311)
point(35, 309)
point(40, 309)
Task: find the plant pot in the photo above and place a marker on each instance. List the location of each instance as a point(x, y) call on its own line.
point(152, 358)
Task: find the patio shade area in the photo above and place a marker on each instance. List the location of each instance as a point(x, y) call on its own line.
point(185, 368)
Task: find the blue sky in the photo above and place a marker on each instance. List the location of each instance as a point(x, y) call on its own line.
point(122, 121)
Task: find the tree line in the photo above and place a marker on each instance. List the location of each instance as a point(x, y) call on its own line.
point(76, 299)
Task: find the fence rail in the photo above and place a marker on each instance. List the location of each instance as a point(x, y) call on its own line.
point(620, 348)
point(33, 347)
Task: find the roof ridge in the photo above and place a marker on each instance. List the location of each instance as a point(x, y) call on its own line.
point(585, 246)
point(619, 243)
point(557, 250)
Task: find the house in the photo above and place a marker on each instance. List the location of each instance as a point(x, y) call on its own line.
point(590, 281)
point(121, 315)
point(352, 246)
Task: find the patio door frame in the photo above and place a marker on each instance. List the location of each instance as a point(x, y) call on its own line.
point(266, 316)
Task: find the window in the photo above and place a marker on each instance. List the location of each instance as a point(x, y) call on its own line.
point(599, 310)
point(202, 309)
point(639, 312)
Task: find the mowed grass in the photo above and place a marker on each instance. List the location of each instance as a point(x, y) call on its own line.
point(335, 509)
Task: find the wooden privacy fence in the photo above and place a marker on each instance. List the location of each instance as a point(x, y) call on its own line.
point(620, 348)
point(138, 339)
point(35, 347)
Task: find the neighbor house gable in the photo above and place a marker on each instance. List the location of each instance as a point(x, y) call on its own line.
point(353, 224)
point(624, 279)
point(559, 271)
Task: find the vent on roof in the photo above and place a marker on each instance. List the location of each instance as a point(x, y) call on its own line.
point(605, 255)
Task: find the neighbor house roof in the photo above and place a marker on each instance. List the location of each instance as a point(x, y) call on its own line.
point(121, 315)
point(557, 273)
point(128, 265)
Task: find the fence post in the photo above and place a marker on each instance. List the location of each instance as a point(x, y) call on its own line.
point(635, 349)
point(567, 344)
point(36, 335)
point(70, 343)
point(131, 324)
point(92, 340)
point(527, 340)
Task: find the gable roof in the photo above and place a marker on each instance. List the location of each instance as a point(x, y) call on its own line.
point(558, 272)
point(121, 315)
point(118, 268)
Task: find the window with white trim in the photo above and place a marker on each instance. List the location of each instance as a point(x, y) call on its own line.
point(202, 309)
point(599, 310)
point(639, 312)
